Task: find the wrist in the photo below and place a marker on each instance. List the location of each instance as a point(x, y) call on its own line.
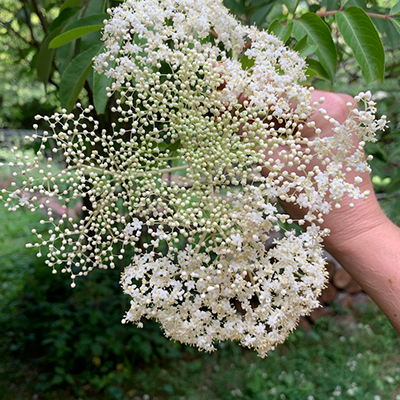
point(351, 225)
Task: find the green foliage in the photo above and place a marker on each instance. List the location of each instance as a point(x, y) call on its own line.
point(362, 37)
point(73, 28)
point(16, 261)
point(74, 77)
point(317, 33)
point(283, 31)
point(75, 337)
point(70, 343)
point(45, 57)
point(395, 9)
point(78, 29)
point(100, 84)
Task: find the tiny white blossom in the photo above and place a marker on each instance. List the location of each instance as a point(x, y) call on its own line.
point(177, 177)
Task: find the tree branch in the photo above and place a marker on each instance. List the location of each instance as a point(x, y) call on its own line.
point(371, 15)
point(40, 15)
point(26, 41)
point(28, 23)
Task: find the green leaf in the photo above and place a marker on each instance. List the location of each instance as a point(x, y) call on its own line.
point(304, 48)
point(95, 7)
point(74, 77)
point(235, 7)
point(396, 24)
point(316, 69)
point(63, 18)
point(319, 35)
point(78, 29)
point(247, 62)
point(330, 5)
point(171, 147)
point(73, 34)
point(356, 3)
point(390, 36)
point(361, 36)
point(46, 55)
point(291, 5)
point(260, 15)
point(394, 185)
point(70, 3)
point(395, 9)
point(100, 98)
point(254, 5)
point(283, 31)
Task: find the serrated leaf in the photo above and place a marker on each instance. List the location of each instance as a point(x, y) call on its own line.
point(361, 36)
point(291, 5)
point(395, 9)
point(283, 31)
point(396, 24)
point(320, 36)
point(78, 29)
point(74, 77)
point(317, 69)
point(70, 3)
point(46, 55)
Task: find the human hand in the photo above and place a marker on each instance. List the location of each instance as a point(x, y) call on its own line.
point(352, 216)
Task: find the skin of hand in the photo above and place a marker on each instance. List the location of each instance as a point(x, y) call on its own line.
point(363, 240)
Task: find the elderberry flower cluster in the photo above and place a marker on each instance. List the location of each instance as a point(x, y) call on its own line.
point(201, 105)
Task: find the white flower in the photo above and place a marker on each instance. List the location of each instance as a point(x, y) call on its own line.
point(182, 164)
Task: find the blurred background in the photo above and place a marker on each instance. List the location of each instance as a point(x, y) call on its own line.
point(63, 343)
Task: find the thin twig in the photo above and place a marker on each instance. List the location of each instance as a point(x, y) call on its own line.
point(40, 15)
point(28, 23)
point(372, 15)
point(12, 30)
